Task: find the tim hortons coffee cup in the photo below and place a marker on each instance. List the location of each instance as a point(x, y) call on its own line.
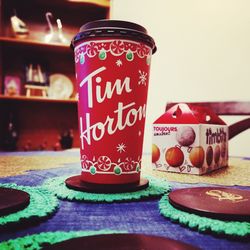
point(112, 61)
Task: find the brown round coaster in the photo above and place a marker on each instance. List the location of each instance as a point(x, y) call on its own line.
point(214, 202)
point(76, 183)
point(12, 200)
point(122, 241)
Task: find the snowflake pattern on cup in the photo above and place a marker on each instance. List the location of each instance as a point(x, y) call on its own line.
point(115, 47)
point(92, 49)
point(130, 47)
point(142, 50)
point(104, 165)
point(84, 162)
point(102, 46)
point(129, 164)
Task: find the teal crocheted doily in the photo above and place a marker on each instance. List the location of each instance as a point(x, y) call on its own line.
point(37, 241)
point(203, 224)
point(42, 204)
point(156, 188)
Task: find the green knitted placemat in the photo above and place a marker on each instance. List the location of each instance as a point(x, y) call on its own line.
point(42, 203)
point(203, 224)
point(37, 241)
point(157, 187)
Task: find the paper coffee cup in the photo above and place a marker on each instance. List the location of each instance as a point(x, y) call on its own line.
point(112, 62)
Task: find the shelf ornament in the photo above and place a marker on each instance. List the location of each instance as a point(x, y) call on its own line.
point(19, 27)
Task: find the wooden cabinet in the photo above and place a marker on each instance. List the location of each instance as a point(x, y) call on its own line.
point(40, 120)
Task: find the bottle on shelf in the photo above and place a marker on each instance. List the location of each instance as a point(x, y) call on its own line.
point(11, 135)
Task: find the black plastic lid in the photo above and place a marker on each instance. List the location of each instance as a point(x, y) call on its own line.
point(114, 28)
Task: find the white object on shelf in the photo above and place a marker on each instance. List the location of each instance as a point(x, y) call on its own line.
point(61, 36)
point(60, 87)
point(19, 27)
point(50, 36)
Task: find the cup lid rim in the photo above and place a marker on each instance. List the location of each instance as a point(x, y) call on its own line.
point(114, 24)
point(114, 28)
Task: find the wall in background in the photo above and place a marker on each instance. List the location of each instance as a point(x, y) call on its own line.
point(203, 54)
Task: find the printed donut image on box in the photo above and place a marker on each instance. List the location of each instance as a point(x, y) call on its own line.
point(196, 156)
point(217, 154)
point(185, 135)
point(184, 141)
point(155, 153)
point(209, 155)
point(174, 157)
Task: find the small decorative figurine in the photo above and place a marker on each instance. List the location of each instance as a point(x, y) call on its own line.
point(50, 36)
point(61, 36)
point(19, 27)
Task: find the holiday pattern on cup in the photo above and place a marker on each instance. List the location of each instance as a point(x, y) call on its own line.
point(112, 77)
point(104, 164)
point(116, 48)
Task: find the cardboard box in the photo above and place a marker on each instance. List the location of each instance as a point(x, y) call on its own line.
point(189, 139)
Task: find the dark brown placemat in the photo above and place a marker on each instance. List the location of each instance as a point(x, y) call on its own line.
point(214, 202)
point(121, 242)
point(75, 183)
point(12, 200)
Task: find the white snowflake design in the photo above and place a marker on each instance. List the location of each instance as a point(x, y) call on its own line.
point(119, 63)
point(121, 148)
point(142, 77)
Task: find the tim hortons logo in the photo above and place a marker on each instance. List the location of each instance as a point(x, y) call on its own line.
point(123, 116)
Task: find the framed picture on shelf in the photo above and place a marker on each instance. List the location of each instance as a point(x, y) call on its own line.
point(35, 75)
point(12, 85)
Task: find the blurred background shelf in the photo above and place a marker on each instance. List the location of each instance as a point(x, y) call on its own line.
point(37, 44)
point(39, 121)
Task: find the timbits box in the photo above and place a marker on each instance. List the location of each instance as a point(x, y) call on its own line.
point(189, 139)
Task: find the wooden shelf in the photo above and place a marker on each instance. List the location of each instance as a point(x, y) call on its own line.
point(35, 43)
point(39, 119)
point(36, 99)
point(100, 3)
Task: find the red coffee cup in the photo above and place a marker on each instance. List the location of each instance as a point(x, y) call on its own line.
point(112, 62)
